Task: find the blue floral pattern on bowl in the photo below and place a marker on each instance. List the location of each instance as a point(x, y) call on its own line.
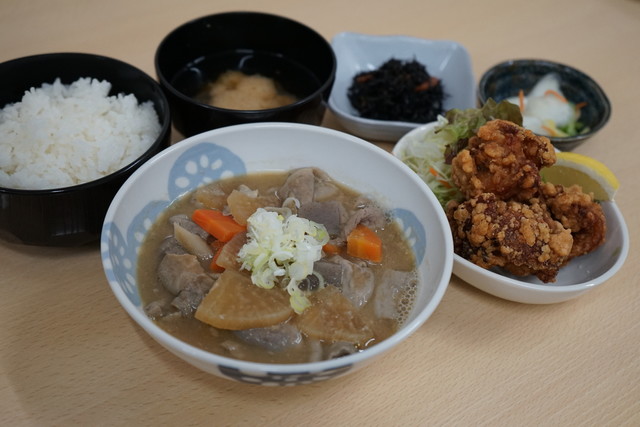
point(288, 379)
point(413, 231)
point(201, 164)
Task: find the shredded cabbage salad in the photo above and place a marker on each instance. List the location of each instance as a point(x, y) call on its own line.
point(427, 153)
point(282, 250)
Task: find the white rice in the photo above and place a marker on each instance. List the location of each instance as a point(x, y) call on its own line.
point(61, 135)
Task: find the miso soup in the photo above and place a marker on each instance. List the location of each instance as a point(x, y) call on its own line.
point(288, 77)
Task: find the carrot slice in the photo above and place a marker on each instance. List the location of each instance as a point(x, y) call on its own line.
point(521, 100)
point(217, 248)
point(363, 243)
point(556, 94)
point(549, 130)
point(330, 249)
point(435, 173)
point(214, 222)
point(423, 86)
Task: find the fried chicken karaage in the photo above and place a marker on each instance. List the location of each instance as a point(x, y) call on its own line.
point(504, 159)
point(578, 212)
point(510, 218)
point(521, 238)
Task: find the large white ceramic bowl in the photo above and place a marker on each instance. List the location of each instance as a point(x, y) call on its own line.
point(241, 149)
point(447, 60)
point(574, 279)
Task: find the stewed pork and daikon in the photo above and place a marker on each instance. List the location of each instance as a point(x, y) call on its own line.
point(278, 267)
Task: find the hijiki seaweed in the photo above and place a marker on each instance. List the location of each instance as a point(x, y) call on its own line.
point(399, 91)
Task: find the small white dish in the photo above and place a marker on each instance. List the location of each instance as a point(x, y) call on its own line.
point(577, 277)
point(356, 53)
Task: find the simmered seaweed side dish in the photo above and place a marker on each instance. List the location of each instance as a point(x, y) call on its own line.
point(398, 91)
point(277, 267)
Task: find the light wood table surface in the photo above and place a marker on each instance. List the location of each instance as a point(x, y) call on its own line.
point(70, 355)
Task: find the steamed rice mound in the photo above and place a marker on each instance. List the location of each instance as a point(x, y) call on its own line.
point(62, 135)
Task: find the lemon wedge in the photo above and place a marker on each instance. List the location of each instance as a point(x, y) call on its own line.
point(593, 176)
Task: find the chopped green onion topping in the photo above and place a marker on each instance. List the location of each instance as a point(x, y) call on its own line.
point(282, 250)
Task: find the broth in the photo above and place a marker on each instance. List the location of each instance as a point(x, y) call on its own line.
point(392, 281)
point(290, 77)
